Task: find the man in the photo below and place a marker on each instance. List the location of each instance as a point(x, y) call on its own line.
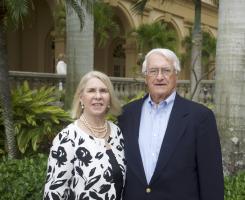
point(172, 145)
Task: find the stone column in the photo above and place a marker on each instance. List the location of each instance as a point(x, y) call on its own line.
point(59, 47)
point(130, 57)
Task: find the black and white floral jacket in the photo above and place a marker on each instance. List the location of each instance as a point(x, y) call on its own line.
point(80, 168)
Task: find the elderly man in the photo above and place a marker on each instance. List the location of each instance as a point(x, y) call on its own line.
point(172, 146)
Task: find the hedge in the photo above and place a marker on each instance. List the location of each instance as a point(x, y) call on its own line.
point(24, 180)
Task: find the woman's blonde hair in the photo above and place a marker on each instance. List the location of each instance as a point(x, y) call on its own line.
point(115, 106)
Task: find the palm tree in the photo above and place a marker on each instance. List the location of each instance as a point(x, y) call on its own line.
point(80, 43)
point(196, 66)
point(11, 12)
point(80, 32)
point(196, 51)
point(104, 25)
point(229, 83)
point(208, 52)
point(154, 35)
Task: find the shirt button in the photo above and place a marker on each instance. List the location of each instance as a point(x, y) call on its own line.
point(148, 190)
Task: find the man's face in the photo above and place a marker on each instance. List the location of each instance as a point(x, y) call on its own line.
point(161, 77)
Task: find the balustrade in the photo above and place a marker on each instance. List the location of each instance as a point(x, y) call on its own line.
point(124, 87)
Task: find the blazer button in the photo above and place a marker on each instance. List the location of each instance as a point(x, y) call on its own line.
point(148, 190)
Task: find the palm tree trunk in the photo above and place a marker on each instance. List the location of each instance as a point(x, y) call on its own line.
point(230, 87)
point(196, 52)
point(5, 96)
point(80, 50)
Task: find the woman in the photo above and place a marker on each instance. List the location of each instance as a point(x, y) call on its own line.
point(87, 158)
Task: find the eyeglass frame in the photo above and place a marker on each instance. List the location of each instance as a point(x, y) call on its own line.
point(165, 71)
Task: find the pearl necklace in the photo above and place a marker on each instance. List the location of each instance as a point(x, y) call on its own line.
point(96, 131)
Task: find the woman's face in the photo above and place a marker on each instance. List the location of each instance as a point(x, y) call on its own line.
point(95, 97)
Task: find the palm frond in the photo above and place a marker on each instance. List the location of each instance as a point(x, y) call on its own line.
point(104, 26)
point(17, 10)
point(139, 6)
point(81, 6)
point(78, 10)
point(155, 35)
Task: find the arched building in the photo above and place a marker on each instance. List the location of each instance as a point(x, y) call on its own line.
point(36, 47)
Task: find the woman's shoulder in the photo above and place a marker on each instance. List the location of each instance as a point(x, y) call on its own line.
point(114, 128)
point(113, 125)
point(67, 133)
point(69, 129)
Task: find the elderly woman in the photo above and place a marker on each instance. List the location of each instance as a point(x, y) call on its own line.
point(86, 159)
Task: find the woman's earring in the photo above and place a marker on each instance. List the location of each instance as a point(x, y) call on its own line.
point(82, 106)
point(108, 108)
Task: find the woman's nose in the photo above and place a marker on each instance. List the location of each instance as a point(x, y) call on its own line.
point(97, 94)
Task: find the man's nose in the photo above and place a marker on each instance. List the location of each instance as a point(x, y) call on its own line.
point(160, 75)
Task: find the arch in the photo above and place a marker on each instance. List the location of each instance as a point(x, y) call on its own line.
point(125, 16)
point(29, 55)
point(174, 26)
point(173, 21)
point(117, 67)
point(211, 31)
point(49, 52)
point(105, 59)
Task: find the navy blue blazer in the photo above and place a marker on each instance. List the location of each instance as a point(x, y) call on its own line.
point(189, 165)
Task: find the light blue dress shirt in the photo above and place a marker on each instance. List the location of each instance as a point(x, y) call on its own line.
point(153, 125)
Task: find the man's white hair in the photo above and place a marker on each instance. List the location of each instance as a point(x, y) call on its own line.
point(168, 54)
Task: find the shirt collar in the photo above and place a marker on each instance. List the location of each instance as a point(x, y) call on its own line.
point(165, 102)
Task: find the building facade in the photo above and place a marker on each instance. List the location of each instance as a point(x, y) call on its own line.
point(35, 48)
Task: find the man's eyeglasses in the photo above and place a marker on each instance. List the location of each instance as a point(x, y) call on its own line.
point(166, 71)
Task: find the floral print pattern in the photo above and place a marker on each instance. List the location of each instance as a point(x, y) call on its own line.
point(81, 168)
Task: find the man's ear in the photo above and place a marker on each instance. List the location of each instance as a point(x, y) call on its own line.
point(144, 76)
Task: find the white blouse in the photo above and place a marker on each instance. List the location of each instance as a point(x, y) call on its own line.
point(81, 168)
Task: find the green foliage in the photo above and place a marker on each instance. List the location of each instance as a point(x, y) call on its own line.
point(235, 187)
point(125, 101)
point(208, 50)
point(15, 12)
point(23, 179)
point(137, 96)
point(139, 6)
point(2, 142)
point(155, 35)
point(80, 7)
point(60, 19)
point(104, 25)
point(36, 117)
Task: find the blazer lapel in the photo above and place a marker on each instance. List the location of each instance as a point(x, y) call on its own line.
point(134, 155)
point(175, 129)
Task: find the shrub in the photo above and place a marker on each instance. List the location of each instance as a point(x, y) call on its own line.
point(235, 187)
point(23, 179)
point(36, 117)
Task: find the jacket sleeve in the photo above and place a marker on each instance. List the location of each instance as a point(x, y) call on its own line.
point(60, 166)
point(209, 159)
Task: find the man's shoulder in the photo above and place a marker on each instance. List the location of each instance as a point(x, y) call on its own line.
point(192, 106)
